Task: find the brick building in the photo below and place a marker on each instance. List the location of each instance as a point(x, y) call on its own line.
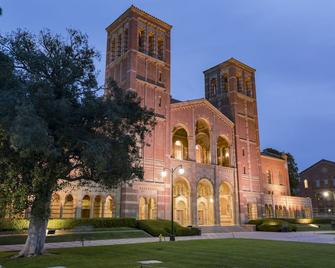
point(215, 139)
point(318, 183)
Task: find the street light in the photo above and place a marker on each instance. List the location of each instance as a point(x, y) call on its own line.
point(325, 194)
point(181, 171)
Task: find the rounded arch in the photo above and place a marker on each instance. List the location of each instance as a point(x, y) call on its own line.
point(226, 204)
point(142, 208)
point(180, 143)
point(86, 207)
point(55, 206)
point(97, 207)
point(109, 207)
point(223, 151)
point(202, 141)
point(182, 200)
point(205, 202)
point(68, 209)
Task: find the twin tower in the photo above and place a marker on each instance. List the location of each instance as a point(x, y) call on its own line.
point(138, 58)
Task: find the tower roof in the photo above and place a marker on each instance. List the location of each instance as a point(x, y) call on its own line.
point(234, 62)
point(133, 9)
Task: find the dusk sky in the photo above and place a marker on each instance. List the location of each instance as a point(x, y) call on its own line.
point(291, 44)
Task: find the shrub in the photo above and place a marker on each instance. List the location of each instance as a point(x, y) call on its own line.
point(157, 227)
point(23, 224)
point(273, 225)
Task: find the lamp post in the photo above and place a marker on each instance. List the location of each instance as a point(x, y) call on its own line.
point(164, 174)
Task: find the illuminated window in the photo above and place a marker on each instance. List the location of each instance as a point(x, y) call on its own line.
point(141, 38)
point(223, 152)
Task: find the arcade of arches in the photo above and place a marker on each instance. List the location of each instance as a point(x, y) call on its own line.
point(202, 142)
point(89, 207)
point(147, 208)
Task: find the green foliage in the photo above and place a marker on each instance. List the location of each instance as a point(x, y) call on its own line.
point(23, 224)
point(55, 128)
point(157, 227)
point(273, 225)
point(292, 167)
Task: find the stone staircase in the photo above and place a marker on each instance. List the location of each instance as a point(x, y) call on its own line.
point(227, 229)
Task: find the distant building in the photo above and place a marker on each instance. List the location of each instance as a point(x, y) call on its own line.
point(318, 183)
point(227, 181)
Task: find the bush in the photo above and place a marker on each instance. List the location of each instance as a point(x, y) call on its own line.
point(273, 225)
point(23, 224)
point(163, 227)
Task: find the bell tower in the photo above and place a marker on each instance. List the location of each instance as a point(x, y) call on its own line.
point(230, 86)
point(138, 58)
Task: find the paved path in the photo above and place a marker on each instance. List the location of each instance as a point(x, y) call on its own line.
point(326, 237)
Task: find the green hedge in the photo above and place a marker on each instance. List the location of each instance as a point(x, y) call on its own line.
point(273, 225)
point(22, 224)
point(163, 227)
point(297, 221)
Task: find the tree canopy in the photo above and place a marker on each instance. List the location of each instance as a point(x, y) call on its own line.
point(54, 127)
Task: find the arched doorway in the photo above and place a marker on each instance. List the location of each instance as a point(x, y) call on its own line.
point(97, 207)
point(108, 212)
point(55, 207)
point(205, 202)
point(181, 193)
point(68, 209)
point(202, 141)
point(226, 204)
point(86, 207)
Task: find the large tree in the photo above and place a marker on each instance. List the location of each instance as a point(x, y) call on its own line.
point(292, 167)
point(56, 130)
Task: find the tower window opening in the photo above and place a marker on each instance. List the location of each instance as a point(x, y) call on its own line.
point(125, 40)
point(113, 49)
point(141, 38)
point(213, 87)
point(160, 48)
point(151, 44)
point(119, 45)
point(160, 77)
point(159, 101)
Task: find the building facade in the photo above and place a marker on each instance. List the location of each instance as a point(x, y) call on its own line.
point(318, 183)
point(215, 139)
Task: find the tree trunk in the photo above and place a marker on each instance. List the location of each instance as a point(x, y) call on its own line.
point(37, 229)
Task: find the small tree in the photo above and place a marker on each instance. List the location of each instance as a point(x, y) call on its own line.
point(56, 130)
point(292, 168)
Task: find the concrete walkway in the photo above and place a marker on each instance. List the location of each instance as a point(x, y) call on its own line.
point(324, 237)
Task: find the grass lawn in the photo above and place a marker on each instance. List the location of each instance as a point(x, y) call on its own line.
point(77, 236)
point(238, 253)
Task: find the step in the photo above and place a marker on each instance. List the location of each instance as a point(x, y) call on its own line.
point(225, 229)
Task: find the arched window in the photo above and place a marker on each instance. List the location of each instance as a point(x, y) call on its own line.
point(180, 144)
point(125, 40)
point(202, 134)
point(151, 42)
point(108, 211)
point(68, 210)
point(223, 157)
point(160, 48)
point(55, 207)
point(213, 87)
point(252, 211)
point(141, 40)
point(97, 207)
point(86, 207)
point(224, 83)
point(248, 84)
point(305, 183)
